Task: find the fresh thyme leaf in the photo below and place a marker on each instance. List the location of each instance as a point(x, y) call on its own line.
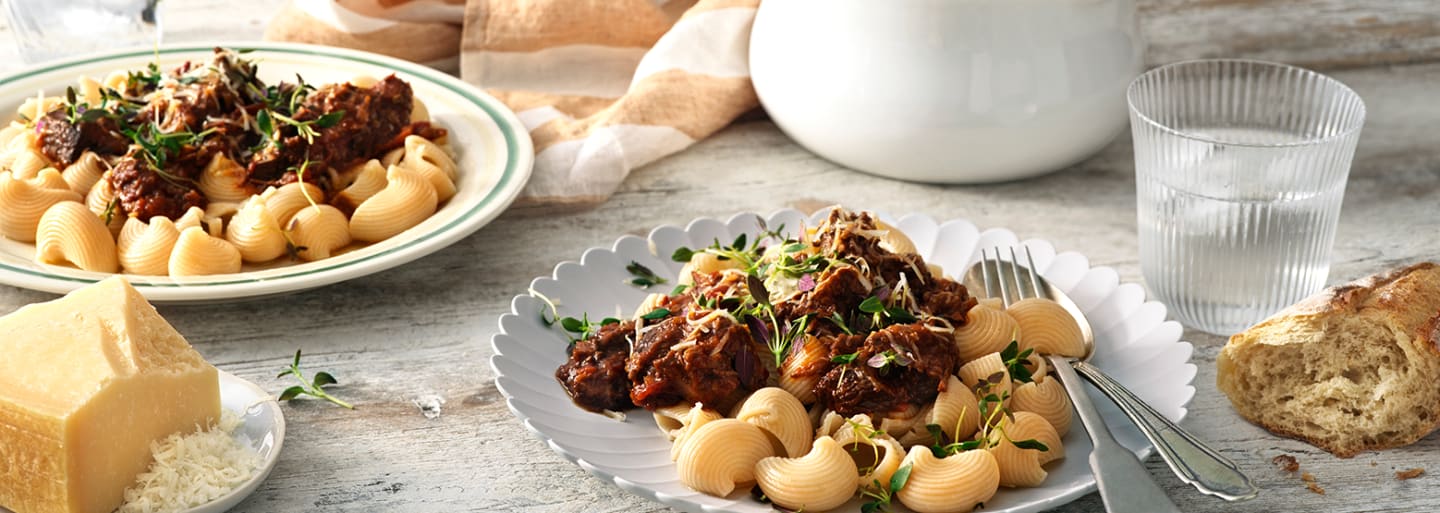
point(643, 276)
point(898, 480)
point(739, 244)
point(682, 254)
point(330, 119)
point(572, 325)
point(608, 321)
point(872, 305)
point(840, 322)
point(794, 247)
point(1015, 360)
point(899, 315)
point(679, 289)
point(658, 313)
point(309, 387)
point(1031, 444)
point(845, 358)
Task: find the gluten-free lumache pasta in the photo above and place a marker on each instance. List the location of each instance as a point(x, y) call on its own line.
point(284, 171)
point(830, 367)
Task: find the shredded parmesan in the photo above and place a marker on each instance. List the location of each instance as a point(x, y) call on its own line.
point(192, 470)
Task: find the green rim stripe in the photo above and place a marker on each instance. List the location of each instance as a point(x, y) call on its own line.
point(506, 178)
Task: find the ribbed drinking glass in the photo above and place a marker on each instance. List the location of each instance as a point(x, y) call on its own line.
point(1240, 167)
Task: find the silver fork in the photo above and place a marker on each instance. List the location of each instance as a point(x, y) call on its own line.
point(1125, 484)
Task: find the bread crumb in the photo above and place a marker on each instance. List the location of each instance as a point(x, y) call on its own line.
point(1286, 462)
point(1409, 474)
point(1315, 488)
point(1307, 477)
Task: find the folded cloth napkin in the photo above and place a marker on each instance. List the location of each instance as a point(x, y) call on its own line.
point(603, 86)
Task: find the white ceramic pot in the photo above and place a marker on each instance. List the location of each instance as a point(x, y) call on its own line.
point(948, 91)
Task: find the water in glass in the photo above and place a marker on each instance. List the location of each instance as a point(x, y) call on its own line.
point(1226, 252)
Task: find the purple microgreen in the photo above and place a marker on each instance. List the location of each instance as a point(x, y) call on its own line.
point(758, 329)
point(806, 283)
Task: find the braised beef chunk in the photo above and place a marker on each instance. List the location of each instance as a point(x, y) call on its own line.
point(595, 374)
point(143, 193)
point(837, 289)
point(373, 116)
point(949, 299)
point(62, 142)
point(853, 239)
point(716, 363)
point(860, 387)
point(420, 128)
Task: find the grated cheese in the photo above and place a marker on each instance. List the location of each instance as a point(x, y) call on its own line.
point(192, 470)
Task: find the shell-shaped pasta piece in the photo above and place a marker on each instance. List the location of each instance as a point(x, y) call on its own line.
point(369, 180)
point(983, 369)
point(810, 482)
point(145, 248)
point(418, 111)
point(876, 454)
point(28, 163)
point(721, 455)
point(986, 330)
point(898, 424)
point(38, 106)
point(116, 80)
point(197, 253)
point(1019, 467)
point(49, 178)
point(407, 199)
point(1046, 398)
point(432, 161)
point(956, 410)
point(1047, 327)
point(392, 157)
point(780, 414)
point(681, 425)
point(831, 422)
point(800, 371)
point(704, 263)
point(89, 91)
point(255, 232)
point(318, 231)
point(222, 209)
point(288, 199)
point(23, 202)
point(224, 180)
point(197, 216)
point(101, 200)
point(84, 173)
point(953, 484)
point(69, 232)
point(10, 133)
point(893, 239)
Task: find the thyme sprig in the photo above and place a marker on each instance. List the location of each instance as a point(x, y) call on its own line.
point(1015, 361)
point(884, 493)
point(313, 387)
point(642, 276)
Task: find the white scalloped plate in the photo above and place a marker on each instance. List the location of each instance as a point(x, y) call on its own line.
point(492, 146)
point(1134, 344)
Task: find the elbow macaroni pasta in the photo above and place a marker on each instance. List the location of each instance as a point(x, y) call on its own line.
point(69, 232)
point(953, 484)
point(1046, 327)
point(721, 455)
point(780, 414)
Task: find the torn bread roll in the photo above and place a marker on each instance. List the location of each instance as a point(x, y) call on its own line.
point(1351, 369)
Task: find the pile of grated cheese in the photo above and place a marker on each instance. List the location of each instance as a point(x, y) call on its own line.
point(191, 470)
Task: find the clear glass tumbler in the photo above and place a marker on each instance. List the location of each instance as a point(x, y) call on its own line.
point(1240, 167)
point(49, 29)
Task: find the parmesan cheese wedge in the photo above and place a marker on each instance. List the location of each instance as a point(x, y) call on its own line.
point(87, 383)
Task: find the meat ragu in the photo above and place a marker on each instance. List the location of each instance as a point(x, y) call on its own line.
point(158, 130)
point(876, 326)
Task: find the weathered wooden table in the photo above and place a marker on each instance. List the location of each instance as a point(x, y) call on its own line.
point(423, 329)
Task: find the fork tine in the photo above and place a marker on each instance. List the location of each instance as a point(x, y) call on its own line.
point(1035, 276)
point(1015, 273)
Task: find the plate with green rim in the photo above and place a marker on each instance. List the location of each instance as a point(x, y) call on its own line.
point(491, 146)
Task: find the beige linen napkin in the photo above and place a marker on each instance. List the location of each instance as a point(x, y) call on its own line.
point(604, 86)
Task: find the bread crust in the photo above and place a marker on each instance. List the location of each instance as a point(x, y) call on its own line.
point(1403, 301)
